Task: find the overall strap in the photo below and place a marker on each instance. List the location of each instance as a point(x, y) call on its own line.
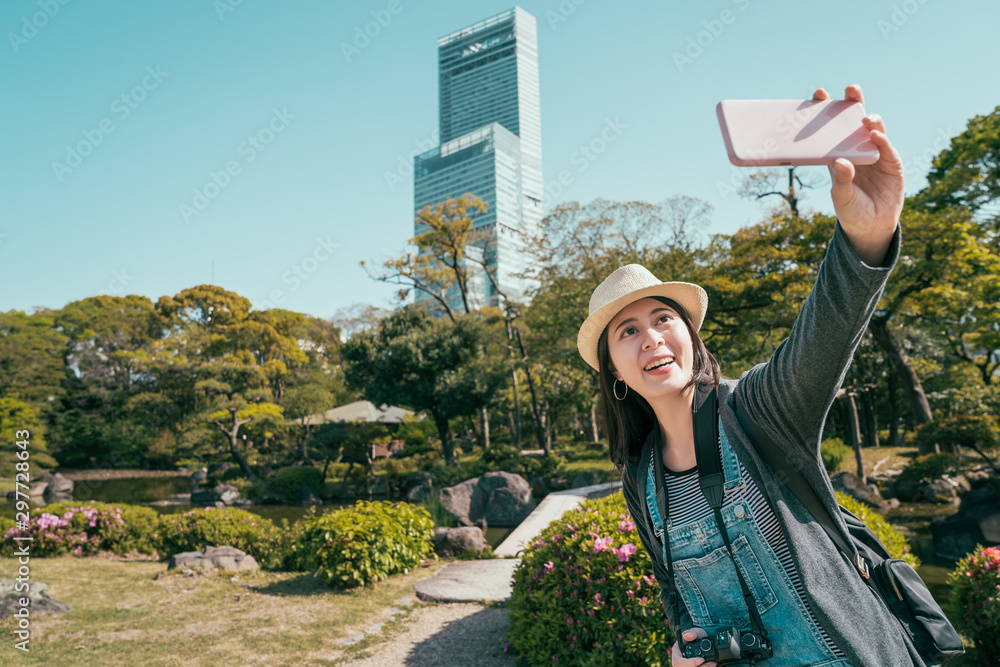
point(708, 452)
point(647, 453)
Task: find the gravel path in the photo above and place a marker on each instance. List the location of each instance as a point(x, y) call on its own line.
point(442, 635)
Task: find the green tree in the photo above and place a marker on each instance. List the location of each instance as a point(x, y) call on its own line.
point(17, 416)
point(426, 364)
point(967, 173)
point(32, 361)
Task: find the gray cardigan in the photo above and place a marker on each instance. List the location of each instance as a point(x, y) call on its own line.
point(789, 397)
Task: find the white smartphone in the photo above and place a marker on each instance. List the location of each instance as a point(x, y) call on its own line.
point(771, 133)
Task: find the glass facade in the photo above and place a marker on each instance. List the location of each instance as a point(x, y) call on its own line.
point(491, 144)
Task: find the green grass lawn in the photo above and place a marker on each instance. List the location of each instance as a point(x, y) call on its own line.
point(123, 615)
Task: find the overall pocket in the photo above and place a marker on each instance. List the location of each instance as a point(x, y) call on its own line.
point(711, 590)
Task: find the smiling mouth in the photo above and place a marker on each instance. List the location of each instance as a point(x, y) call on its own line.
point(662, 363)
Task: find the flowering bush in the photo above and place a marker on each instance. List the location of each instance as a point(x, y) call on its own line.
point(975, 599)
point(195, 529)
point(584, 595)
point(82, 528)
point(363, 544)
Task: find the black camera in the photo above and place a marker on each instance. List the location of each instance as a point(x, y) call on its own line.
point(729, 646)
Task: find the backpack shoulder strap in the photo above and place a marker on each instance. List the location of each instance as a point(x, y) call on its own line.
point(790, 475)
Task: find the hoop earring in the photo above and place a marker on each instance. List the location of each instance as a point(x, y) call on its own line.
point(614, 389)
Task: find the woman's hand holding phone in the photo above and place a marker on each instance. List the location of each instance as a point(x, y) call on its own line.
point(868, 199)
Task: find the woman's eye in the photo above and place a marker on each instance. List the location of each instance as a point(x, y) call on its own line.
point(627, 329)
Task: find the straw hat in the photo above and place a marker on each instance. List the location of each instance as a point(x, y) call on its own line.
point(627, 284)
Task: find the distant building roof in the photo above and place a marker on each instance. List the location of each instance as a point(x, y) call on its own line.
point(360, 411)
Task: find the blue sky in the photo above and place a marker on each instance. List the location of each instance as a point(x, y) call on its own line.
point(150, 146)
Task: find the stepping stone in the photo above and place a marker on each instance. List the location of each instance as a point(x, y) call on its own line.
point(353, 639)
point(470, 581)
point(374, 630)
point(404, 602)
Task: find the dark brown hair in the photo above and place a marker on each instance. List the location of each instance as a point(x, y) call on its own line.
point(629, 421)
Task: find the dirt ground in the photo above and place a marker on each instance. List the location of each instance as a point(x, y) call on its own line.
point(442, 635)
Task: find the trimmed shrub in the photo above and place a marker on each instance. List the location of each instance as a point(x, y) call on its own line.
point(584, 595)
point(196, 529)
point(963, 430)
point(83, 528)
point(368, 542)
point(834, 451)
point(295, 555)
point(925, 469)
point(893, 540)
point(975, 599)
point(288, 481)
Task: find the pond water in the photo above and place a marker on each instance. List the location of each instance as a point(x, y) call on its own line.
point(149, 490)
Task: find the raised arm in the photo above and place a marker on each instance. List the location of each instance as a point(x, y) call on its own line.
point(791, 394)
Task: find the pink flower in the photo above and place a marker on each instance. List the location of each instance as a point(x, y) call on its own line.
point(597, 597)
point(549, 566)
point(627, 525)
point(626, 552)
point(601, 543)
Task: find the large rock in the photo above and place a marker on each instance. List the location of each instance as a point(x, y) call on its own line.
point(976, 522)
point(225, 493)
point(39, 601)
point(539, 487)
point(496, 498)
point(587, 478)
point(944, 489)
point(454, 541)
point(214, 558)
point(198, 476)
point(58, 485)
point(418, 487)
point(851, 484)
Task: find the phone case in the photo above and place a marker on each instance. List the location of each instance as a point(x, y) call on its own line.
point(769, 133)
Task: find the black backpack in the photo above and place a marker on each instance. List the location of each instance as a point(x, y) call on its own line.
point(892, 579)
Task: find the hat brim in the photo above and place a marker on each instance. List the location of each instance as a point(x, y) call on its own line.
point(692, 298)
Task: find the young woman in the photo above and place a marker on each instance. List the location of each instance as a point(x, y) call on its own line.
point(642, 337)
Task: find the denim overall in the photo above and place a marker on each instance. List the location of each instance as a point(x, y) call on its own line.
point(707, 583)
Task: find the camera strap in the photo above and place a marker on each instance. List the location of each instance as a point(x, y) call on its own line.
point(708, 453)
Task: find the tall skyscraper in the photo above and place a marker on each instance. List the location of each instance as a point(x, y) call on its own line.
point(491, 144)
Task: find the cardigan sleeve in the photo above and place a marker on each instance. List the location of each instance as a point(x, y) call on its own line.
point(681, 621)
point(790, 395)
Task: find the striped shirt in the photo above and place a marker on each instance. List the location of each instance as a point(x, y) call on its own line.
point(686, 503)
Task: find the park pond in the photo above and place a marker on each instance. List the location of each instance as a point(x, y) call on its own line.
point(160, 493)
point(156, 491)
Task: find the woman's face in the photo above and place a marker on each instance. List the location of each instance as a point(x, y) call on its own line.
point(647, 333)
